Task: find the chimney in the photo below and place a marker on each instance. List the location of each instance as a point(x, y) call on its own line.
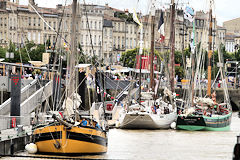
point(59, 6)
point(32, 2)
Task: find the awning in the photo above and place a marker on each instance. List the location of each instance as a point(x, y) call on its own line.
point(82, 65)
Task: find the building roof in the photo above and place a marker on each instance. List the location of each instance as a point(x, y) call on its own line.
point(107, 17)
point(230, 36)
point(107, 23)
point(231, 20)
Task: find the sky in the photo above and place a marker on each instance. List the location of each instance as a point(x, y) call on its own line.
point(224, 9)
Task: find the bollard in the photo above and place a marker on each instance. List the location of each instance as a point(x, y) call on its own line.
point(19, 129)
point(236, 152)
point(12, 148)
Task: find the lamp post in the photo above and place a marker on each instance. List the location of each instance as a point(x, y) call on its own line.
point(236, 47)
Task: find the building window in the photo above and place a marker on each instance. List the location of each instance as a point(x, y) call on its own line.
point(82, 25)
point(34, 21)
point(122, 42)
point(86, 40)
point(54, 25)
point(110, 33)
point(105, 32)
point(126, 42)
point(29, 21)
point(39, 38)
point(130, 42)
point(45, 26)
point(118, 42)
point(95, 25)
point(90, 24)
point(95, 39)
point(100, 25)
point(54, 40)
point(49, 26)
point(29, 36)
point(10, 23)
point(99, 39)
point(39, 21)
point(34, 36)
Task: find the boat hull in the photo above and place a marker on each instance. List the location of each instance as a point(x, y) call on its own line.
point(74, 141)
point(147, 121)
point(197, 123)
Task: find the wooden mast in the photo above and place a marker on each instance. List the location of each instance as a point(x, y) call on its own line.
point(210, 50)
point(152, 47)
point(172, 43)
point(72, 57)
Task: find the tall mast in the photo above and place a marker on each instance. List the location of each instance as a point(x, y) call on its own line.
point(152, 45)
point(172, 43)
point(72, 57)
point(210, 50)
point(140, 59)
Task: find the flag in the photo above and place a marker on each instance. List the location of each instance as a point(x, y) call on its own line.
point(135, 18)
point(161, 28)
point(189, 14)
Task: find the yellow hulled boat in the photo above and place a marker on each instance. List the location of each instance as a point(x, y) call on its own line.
point(76, 140)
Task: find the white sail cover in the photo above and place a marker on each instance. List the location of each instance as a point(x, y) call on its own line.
point(70, 105)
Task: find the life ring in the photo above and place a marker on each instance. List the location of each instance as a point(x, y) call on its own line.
point(109, 107)
point(13, 122)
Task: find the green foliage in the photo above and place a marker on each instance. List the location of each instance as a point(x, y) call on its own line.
point(2, 52)
point(21, 54)
point(127, 17)
point(128, 58)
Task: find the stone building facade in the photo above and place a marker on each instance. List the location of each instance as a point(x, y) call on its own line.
point(232, 26)
point(99, 31)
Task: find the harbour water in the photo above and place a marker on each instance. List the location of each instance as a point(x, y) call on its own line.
point(167, 144)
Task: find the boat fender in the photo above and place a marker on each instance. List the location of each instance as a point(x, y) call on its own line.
point(31, 148)
point(173, 125)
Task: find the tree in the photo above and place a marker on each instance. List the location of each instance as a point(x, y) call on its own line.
point(31, 51)
point(128, 58)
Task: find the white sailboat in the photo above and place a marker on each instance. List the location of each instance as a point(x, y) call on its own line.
point(148, 113)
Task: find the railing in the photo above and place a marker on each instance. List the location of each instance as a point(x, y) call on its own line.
point(7, 122)
point(33, 98)
point(25, 93)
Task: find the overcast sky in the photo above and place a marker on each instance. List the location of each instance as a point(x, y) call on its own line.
point(224, 9)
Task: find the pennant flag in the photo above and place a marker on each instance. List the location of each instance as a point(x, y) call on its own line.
point(189, 14)
point(161, 27)
point(135, 18)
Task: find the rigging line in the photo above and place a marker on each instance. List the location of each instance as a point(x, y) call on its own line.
point(55, 57)
point(49, 25)
point(59, 103)
point(37, 79)
point(85, 9)
point(59, 27)
point(17, 37)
